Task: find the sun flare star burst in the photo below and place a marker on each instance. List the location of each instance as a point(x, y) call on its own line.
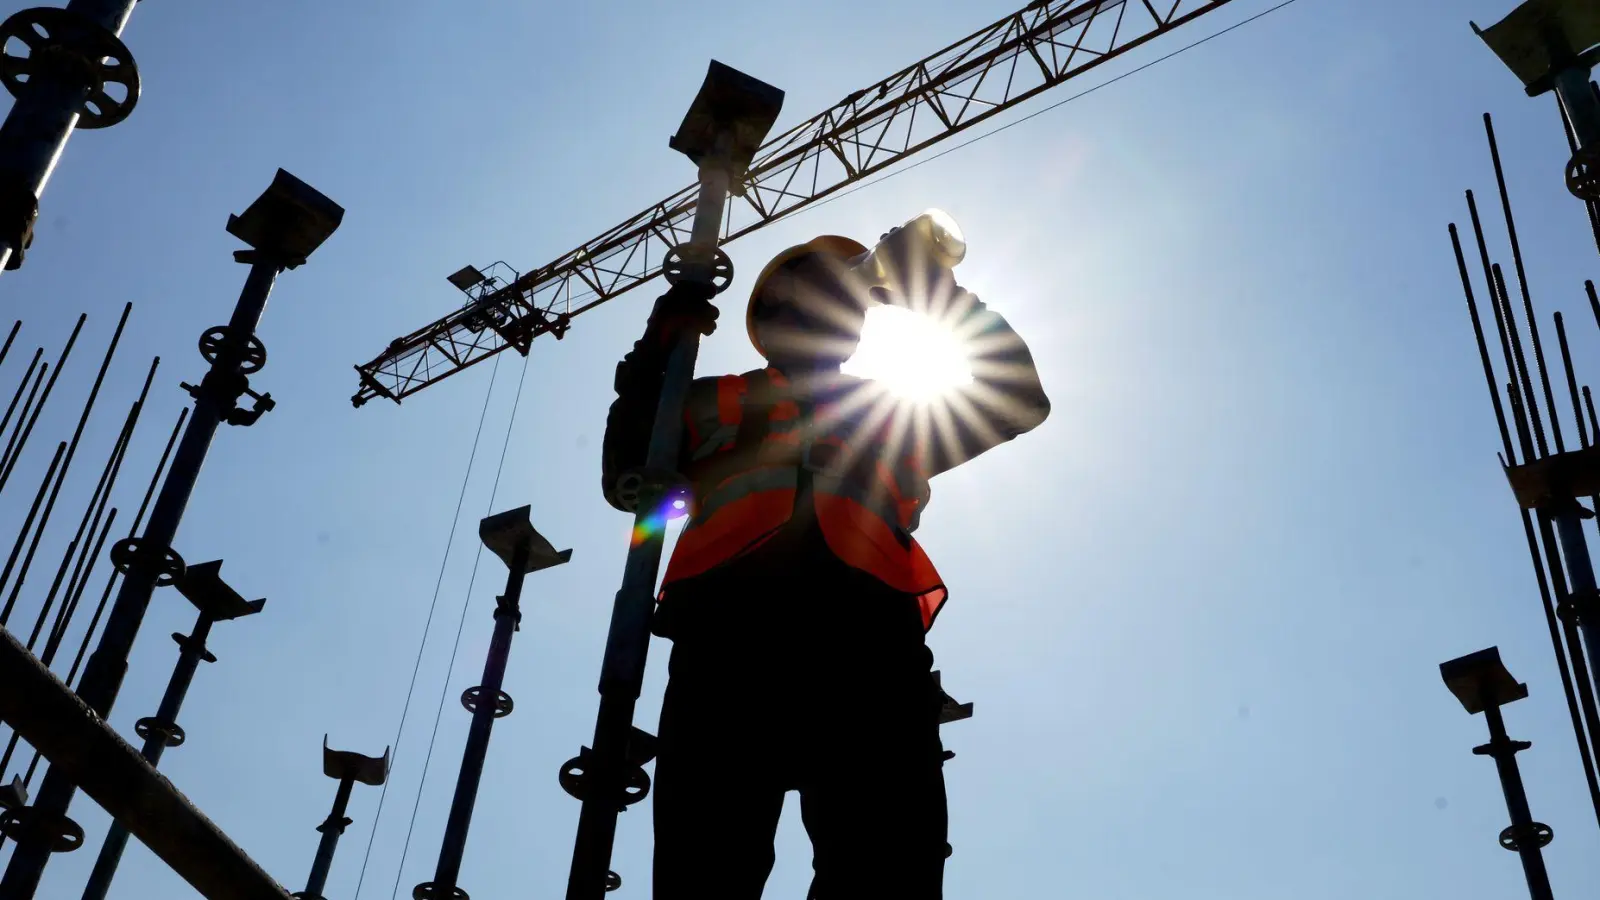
point(915, 357)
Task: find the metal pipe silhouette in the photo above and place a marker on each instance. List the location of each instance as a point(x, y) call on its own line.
point(22, 388)
point(117, 778)
point(102, 679)
point(5, 455)
point(726, 122)
point(512, 537)
point(628, 641)
point(348, 768)
point(20, 438)
point(216, 602)
point(111, 581)
point(10, 338)
point(283, 226)
point(1482, 684)
point(67, 73)
point(27, 524)
point(138, 519)
point(87, 525)
point(331, 828)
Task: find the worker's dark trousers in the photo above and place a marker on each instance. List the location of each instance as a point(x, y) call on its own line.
point(805, 677)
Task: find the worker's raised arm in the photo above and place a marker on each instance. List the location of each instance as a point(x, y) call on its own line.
point(1004, 398)
point(639, 379)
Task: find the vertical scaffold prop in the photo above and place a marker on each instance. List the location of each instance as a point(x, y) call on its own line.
point(726, 124)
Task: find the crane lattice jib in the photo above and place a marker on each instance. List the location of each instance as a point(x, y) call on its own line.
point(994, 69)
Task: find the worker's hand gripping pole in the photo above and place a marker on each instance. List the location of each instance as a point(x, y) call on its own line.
point(726, 124)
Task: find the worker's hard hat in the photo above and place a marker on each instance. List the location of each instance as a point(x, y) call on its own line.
point(841, 248)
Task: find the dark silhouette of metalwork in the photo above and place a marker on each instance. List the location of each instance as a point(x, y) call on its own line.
point(46, 658)
point(89, 525)
point(1551, 46)
point(30, 412)
point(282, 227)
point(76, 74)
point(61, 475)
point(11, 338)
point(511, 536)
point(85, 750)
point(720, 134)
point(1548, 479)
point(347, 768)
point(201, 585)
point(1482, 684)
point(992, 70)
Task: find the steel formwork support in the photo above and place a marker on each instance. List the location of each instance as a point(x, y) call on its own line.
point(720, 134)
point(512, 537)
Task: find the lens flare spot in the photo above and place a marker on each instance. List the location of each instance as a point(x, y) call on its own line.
point(654, 522)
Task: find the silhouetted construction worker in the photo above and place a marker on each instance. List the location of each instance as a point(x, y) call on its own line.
point(796, 599)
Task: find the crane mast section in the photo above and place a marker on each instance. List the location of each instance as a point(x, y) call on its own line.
point(962, 85)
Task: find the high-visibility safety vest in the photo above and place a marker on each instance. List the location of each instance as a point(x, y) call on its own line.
point(750, 474)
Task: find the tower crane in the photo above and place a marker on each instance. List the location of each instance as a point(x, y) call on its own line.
point(1038, 47)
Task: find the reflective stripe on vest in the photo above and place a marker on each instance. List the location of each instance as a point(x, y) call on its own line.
point(865, 507)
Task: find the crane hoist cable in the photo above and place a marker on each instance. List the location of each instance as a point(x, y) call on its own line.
point(427, 627)
point(449, 670)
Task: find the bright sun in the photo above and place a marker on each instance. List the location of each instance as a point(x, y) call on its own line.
point(914, 356)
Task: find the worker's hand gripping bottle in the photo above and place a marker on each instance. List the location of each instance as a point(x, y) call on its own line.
point(913, 262)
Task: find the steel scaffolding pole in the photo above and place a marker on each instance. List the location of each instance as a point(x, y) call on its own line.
point(216, 602)
point(722, 130)
point(1482, 684)
point(347, 768)
point(74, 55)
point(512, 538)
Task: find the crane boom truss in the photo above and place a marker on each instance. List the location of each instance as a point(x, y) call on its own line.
point(992, 70)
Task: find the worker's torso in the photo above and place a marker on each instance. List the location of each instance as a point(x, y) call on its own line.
point(829, 469)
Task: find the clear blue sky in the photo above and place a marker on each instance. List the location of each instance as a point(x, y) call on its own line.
point(1200, 610)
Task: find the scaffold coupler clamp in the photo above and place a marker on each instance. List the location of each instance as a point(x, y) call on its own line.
point(233, 360)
